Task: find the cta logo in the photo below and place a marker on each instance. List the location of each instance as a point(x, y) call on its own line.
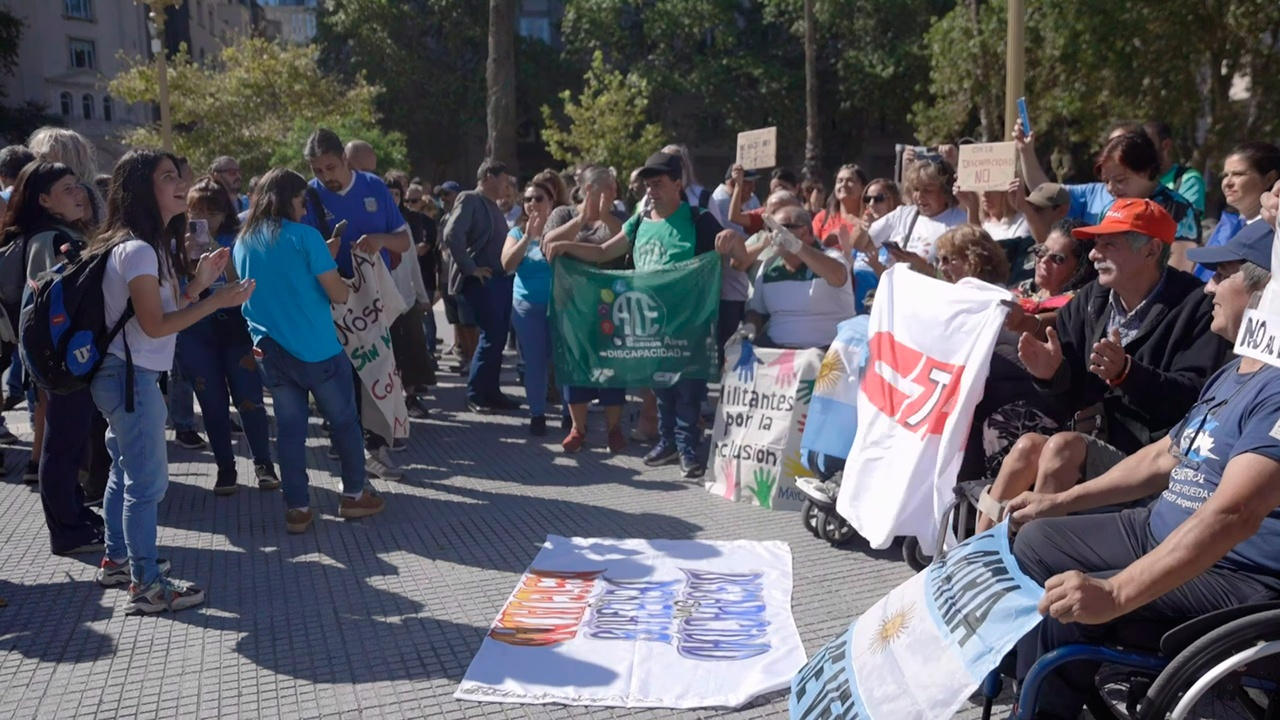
point(919, 392)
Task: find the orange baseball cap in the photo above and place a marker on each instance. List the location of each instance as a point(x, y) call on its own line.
point(1132, 215)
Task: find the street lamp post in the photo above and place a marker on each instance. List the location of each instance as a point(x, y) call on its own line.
point(1015, 78)
point(162, 66)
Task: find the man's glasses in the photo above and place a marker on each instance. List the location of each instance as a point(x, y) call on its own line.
point(793, 226)
point(415, 201)
point(1042, 253)
point(534, 198)
point(870, 199)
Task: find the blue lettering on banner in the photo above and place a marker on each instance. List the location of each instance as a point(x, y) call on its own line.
point(708, 616)
point(792, 494)
point(824, 687)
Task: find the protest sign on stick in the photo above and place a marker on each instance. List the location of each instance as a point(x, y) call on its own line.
point(364, 329)
point(987, 167)
point(758, 148)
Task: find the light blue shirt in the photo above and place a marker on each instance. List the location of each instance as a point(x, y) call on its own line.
point(289, 305)
point(533, 276)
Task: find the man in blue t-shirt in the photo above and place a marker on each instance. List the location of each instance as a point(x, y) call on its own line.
point(374, 225)
point(1210, 539)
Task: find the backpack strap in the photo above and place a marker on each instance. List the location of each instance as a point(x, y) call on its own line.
point(317, 210)
point(704, 198)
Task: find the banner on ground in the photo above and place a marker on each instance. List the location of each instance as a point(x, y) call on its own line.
point(364, 329)
point(923, 649)
point(930, 351)
point(642, 623)
point(624, 328)
point(755, 446)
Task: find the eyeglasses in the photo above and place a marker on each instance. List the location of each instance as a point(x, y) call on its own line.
point(869, 199)
point(1041, 252)
point(793, 226)
point(415, 201)
point(535, 198)
point(947, 260)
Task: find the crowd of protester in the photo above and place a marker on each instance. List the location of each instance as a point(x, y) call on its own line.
point(1119, 331)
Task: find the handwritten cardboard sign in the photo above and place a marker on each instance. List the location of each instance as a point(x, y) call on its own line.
point(987, 167)
point(758, 148)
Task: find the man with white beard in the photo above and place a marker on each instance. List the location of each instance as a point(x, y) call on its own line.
point(1127, 358)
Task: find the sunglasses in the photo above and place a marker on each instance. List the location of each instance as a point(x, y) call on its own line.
point(793, 226)
point(415, 201)
point(869, 199)
point(1042, 253)
point(535, 198)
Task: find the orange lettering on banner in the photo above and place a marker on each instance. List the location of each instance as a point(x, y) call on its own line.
point(546, 609)
point(922, 409)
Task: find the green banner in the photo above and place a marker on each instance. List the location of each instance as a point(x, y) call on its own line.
point(623, 328)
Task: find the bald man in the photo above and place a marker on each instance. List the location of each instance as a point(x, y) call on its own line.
point(361, 156)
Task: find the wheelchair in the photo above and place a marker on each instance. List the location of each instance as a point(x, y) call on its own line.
point(1220, 666)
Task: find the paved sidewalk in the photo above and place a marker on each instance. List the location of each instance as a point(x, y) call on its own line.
point(365, 619)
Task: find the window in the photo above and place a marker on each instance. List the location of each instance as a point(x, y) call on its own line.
point(79, 9)
point(86, 106)
point(536, 28)
point(65, 100)
point(108, 112)
point(83, 55)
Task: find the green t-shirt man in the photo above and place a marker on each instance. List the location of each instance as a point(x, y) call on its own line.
point(682, 235)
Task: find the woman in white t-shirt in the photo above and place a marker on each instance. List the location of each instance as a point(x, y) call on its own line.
point(910, 231)
point(995, 212)
point(146, 219)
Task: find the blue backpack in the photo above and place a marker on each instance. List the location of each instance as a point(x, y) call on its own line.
point(64, 334)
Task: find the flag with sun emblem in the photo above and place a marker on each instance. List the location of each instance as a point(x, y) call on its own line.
point(923, 649)
point(833, 412)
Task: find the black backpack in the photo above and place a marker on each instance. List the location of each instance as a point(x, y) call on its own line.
point(64, 334)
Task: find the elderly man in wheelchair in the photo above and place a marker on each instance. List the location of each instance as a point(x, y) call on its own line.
point(1210, 541)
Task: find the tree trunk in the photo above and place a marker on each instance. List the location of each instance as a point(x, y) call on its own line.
point(500, 77)
point(812, 130)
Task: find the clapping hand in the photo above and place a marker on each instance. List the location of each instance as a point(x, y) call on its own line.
point(1040, 358)
point(233, 294)
point(1108, 358)
point(211, 266)
point(537, 223)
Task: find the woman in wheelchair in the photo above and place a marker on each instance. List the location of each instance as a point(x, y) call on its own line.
point(1210, 541)
point(801, 293)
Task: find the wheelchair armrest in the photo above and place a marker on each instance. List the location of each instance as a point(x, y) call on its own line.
point(1177, 639)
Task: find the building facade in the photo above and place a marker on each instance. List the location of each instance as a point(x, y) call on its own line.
point(296, 19)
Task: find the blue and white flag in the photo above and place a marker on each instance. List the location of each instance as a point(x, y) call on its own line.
point(833, 412)
point(926, 646)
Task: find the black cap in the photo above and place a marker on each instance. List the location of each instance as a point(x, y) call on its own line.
point(1252, 243)
point(663, 164)
point(748, 175)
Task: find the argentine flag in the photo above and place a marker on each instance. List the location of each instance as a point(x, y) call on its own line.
point(833, 412)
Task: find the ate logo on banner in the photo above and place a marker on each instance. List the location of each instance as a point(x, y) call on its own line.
point(917, 391)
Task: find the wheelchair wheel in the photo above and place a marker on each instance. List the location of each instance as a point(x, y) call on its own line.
point(809, 516)
point(1233, 672)
point(834, 529)
point(914, 555)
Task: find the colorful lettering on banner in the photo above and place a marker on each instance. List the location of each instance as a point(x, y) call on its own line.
point(363, 325)
point(925, 407)
point(764, 401)
point(922, 650)
point(651, 628)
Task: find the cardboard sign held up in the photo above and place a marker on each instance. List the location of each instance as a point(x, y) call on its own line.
point(758, 148)
point(987, 167)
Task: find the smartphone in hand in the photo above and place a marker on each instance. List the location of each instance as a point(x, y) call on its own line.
point(1022, 113)
point(338, 229)
point(201, 241)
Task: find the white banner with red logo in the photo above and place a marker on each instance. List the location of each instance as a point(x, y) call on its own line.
point(642, 624)
point(364, 329)
point(930, 351)
point(755, 447)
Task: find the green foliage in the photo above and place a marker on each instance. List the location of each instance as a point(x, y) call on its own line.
point(251, 104)
point(608, 123)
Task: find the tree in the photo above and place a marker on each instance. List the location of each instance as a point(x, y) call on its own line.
point(17, 123)
point(252, 104)
point(500, 81)
point(812, 124)
point(608, 123)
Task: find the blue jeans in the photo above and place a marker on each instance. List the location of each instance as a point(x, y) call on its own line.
point(139, 465)
point(289, 380)
point(219, 372)
point(182, 406)
point(534, 332)
point(678, 410)
point(491, 302)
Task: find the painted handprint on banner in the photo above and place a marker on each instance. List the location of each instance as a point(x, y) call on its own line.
point(786, 365)
point(747, 361)
point(765, 479)
point(730, 481)
point(804, 391)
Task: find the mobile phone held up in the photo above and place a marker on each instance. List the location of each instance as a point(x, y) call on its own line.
point(1022, 113)
point(200, 241)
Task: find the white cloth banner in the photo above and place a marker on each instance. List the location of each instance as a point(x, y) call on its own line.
point(930, 351)
point(364, 329)
point(923, 649)
point(642, 623)
point(755, 446)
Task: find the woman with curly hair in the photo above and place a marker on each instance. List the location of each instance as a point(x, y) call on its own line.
point(968, 251)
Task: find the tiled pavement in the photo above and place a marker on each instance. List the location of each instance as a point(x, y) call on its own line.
point(366, 619)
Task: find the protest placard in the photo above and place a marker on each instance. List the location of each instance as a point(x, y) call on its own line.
point(758, 148)
point(755, 450)
point(987, 167)
point(364, 329)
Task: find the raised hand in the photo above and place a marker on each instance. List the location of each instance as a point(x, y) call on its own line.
point(1109, 358)
point(211, 266)
point(233, 294)
point(1040, 358)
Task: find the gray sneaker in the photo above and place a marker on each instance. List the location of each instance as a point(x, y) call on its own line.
point(380, 464)
point(161, 595)
point(111, 573)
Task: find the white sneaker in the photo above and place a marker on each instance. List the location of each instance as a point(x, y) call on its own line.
point(380, 464)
